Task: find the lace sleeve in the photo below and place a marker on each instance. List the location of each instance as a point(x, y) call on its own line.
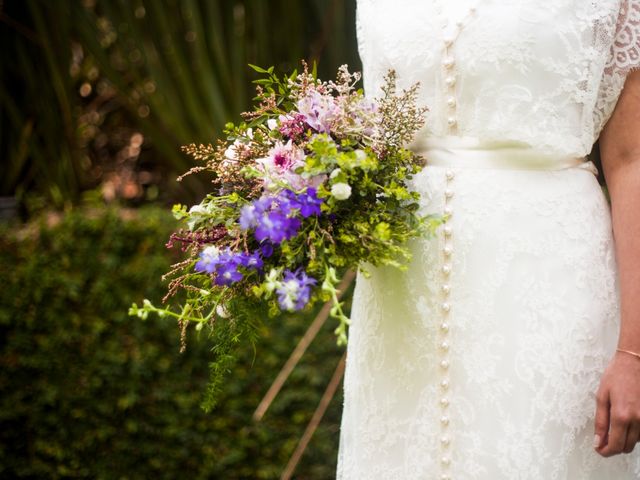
point(624, 56)
point(625, 51)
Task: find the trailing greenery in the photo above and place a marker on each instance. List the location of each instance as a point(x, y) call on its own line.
point(88, 392)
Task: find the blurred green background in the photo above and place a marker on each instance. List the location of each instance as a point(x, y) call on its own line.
point(97, 97)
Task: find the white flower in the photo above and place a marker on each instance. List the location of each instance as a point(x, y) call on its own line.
point(360, 155)
point(250, 133)
point(222, 311)
point(272, 123)
point(196, 215)
point(341, 191)
point(289, 294)
point(211, 251)
point(231, 153)
point(335, 173)
point(272, 280)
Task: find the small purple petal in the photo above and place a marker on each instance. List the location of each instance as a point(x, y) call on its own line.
point(266, 248)
point(227, 275)
point(295, 291)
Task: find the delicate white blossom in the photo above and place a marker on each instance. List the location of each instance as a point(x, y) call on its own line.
point(341, 191)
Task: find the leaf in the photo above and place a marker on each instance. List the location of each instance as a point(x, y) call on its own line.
point(259, 69)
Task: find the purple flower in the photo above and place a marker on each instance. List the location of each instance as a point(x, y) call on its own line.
point(250, 214)
point(209, 259)
point(227, 273)
point(248, 217)
point(275, 218)
point(276, 227)
point(287, 201)
point(294, 291)
point(319, 111)
point(266, 248)
point(309, 203)
point(223, 265)
point(251, 260)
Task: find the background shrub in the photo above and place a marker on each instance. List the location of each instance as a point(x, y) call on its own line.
point(88, 392)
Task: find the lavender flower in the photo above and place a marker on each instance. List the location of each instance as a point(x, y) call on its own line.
point(250, 214)
point(319, 111)
point(295, 290)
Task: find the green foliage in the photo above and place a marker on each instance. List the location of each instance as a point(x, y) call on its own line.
point(88, 392)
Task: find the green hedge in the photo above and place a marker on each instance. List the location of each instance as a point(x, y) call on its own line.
point(88, 392)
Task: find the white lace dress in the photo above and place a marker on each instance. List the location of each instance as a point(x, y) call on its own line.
point(483, 359)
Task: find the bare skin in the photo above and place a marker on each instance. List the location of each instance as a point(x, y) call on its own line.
point(617, 424)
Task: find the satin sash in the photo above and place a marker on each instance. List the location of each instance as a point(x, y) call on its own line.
point(468, 152)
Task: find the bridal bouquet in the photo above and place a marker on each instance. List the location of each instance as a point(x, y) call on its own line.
point(312, 182)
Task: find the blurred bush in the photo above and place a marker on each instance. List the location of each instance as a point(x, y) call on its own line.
point(88, 392)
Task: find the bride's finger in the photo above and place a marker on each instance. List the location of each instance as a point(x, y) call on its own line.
point(617, 435)
point(633, 437)
point(601, 421)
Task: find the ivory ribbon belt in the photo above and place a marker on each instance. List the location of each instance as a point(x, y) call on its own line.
point(468, 152)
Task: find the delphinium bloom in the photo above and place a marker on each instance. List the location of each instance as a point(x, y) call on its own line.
point(223, 265)
point(306, 202)
point(274, 218)
point(277, 227)
point(251, 260)
point(208, 259)
point(294, 290)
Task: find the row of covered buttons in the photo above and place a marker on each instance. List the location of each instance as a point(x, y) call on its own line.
point(447, 252)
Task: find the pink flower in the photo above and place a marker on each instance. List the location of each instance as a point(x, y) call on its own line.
point(280, 165)
point(293, 125)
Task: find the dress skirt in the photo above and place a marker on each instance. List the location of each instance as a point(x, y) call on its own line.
point(482, 359)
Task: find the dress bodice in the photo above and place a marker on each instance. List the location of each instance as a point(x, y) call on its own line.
point(546, 74)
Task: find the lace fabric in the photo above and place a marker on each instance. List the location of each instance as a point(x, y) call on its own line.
point(534, 299)
point(553, 88)
point(533, 323)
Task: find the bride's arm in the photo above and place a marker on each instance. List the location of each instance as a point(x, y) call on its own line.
point(618, 408)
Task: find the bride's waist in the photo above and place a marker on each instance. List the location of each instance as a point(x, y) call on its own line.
point(469, 152)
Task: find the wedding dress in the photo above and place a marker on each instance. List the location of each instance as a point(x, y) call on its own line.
point(482, 360)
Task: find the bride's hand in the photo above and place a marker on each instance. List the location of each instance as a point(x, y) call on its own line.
point(617, 425)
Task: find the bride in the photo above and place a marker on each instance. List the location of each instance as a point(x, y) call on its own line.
point(510, 348)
